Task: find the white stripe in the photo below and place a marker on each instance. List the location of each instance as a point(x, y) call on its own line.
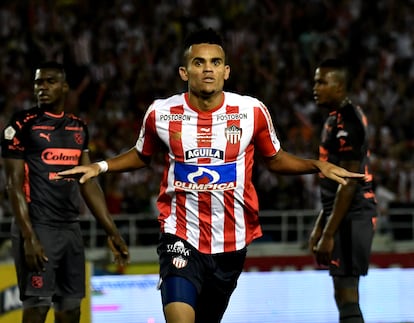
point(273, 135)
point(217, 222)
point(192, 219)
point(170, 224)
point(238, 209)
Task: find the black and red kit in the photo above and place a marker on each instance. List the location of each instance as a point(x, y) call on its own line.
point(345, 138)
point(48, 143)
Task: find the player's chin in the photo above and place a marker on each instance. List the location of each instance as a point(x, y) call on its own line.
point(317, 100)
point(44, 104)
point(321, 104)
point(207, 93)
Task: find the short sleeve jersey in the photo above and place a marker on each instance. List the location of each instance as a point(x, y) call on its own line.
point(206, 194)
point(48, 144)
point(345, 138)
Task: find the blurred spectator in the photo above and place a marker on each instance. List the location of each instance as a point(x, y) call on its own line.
point(119, 56)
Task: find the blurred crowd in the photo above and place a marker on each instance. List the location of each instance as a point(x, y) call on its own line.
point(122, 54)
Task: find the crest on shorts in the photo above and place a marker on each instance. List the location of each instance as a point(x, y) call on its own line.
point(233, 134)
point(179, 262)
point(37, 281)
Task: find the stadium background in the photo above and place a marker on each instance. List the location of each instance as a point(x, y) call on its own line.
point(120, 55)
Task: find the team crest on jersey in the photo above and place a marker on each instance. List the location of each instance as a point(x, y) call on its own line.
point(179, 262)
point(9, 133)
point(205, 177)
point(78, 138)
point(233, 134)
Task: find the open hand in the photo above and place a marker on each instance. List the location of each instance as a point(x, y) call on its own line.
point(85, 172)
point(338, 174)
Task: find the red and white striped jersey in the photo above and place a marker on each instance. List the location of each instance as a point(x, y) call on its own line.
point(206, 194)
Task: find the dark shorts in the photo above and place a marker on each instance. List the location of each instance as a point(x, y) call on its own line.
point(65, 270)
point(214, 276)
point(353, 241)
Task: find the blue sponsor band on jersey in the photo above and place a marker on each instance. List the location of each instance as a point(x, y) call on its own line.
point(205, 177)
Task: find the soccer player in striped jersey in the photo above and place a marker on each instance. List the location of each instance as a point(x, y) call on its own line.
point(208, 207)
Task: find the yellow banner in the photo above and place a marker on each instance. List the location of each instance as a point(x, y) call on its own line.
point(11, 307)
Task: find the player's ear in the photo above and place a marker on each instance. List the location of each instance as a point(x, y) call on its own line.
point(226, 72)
point(183, 73)
point(65, 87)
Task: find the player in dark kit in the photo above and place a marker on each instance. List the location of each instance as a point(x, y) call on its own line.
point(47, 242)
point(343, 233)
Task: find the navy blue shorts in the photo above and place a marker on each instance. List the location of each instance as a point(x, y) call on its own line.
point(353, 241)
point(214, 276)
point(65, 270)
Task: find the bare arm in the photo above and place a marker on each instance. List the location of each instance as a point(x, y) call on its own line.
point(15, 173)
point(316, 232)
point(127, 161)
point(288, 164)
point(343, 200)
point(95, 200)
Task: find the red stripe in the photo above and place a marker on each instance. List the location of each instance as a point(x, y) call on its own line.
point(253, 228)
point(204, 210)
point(204, 135)
point(148, 147)
point(175, 130)
point(26, 185)
point(164, 200)
point(232, 151)
point(263, 126)
point(181, 215)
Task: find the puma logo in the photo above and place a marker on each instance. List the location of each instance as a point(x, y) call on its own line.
point(45, 135)
point(336, 262)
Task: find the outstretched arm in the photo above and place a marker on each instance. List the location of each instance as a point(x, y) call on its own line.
point(127, 161)
point(288, 164)
point(95, 200)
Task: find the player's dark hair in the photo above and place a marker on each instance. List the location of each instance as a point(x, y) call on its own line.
point(54, 66)
point(338, 65)
point(202, 36)
point(334, 63)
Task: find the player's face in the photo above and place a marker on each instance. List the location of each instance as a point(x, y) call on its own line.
point(327, 90)
point(206, 70)
point(49, 88)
